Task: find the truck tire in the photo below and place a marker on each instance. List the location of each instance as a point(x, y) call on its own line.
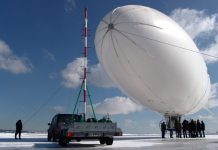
point(109, 141)
point(102, 140)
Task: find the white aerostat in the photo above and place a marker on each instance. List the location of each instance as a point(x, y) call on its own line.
point(153, 60)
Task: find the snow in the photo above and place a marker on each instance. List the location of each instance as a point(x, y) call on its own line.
point(128, 141)
point(31, 139)
point(126, 144)
point(28, 140)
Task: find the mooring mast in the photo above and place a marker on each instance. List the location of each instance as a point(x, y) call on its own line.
point(85, 58)
point(84, 86)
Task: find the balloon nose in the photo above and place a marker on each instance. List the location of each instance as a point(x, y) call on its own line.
point(110, 26)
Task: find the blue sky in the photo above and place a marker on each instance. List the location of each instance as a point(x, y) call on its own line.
point(41, 47)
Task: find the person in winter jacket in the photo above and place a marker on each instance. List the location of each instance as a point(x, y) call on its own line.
point(202, 128)
point(19, 127)
point(163, 129)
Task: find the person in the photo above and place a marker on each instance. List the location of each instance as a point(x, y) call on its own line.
point(19, 127)
point(171, 133)
point(185, 128)
point(193, 127)
point(190, 129)
point(199, 129)
point(202, 128)
point(163, 129)
point(178, 128)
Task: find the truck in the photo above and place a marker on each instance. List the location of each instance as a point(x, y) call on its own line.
point(66, 127)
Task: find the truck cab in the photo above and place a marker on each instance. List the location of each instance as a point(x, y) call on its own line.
point(55, 126)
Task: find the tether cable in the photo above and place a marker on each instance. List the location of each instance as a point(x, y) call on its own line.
point(50, 98)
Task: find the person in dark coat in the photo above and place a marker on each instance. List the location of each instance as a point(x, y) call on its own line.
point(19, 127)
point(185, 128)
point(178, 128)
point(193, 128)
point(203, 128)
point(189, 129)
point(163, 129)
point(199, 129)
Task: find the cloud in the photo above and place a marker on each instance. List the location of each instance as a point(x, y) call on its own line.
point(58, 109)
point(211, 50)
point(99, 78)
point(117, 105)
point(73, 74)
point(213, 99)
point(199, 25)
point(49, 56)
point(70, 5)
point(209, 117)
point(194, 21)
point(11, 62)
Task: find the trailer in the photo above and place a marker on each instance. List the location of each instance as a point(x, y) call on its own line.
point(66, 127)
point(78, 131)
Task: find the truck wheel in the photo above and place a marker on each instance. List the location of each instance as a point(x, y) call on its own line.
point(102, 141)
point(62, 142)
point(109, 141)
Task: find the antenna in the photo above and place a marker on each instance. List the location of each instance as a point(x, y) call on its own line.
point(85, 58)
point(84, 86)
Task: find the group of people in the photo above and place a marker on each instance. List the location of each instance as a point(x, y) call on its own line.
point(189, 129)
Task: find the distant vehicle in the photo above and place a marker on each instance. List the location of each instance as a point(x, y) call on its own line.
point(118, 132)
point(67, 127)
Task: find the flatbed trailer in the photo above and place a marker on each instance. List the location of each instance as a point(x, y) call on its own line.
point(102, 131)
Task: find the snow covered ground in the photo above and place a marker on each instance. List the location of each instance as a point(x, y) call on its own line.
point(35, 141)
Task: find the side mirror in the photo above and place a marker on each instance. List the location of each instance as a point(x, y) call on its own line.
point(49, 124)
